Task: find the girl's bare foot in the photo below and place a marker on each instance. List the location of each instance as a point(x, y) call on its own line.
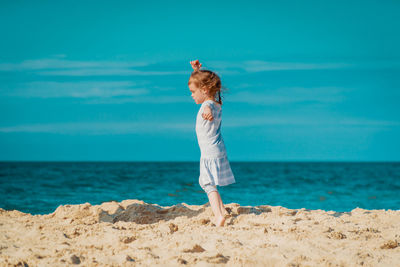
point(225, 213)
point(220, 221)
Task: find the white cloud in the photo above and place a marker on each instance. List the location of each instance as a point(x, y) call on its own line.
point(252, 66)
point(60, 66)
point(318, 121)
point(111, 72)
point(285, 95)
point(51, 63)
point(86, 89)
point(259, 65)
point(142, 99)
point(94, 128)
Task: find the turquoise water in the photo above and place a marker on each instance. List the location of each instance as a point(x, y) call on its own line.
point(40, 187)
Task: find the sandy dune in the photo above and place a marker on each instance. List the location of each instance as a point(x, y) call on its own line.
point(135, 233)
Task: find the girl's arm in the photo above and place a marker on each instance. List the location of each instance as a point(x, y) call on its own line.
point(207, 113)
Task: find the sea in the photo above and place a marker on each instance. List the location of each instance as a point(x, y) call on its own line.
point(40, 187)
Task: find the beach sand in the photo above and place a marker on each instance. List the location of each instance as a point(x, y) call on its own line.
point(135, 233)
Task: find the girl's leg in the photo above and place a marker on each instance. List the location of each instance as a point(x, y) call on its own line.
point(215, 202)
point(217, 206)
point(221, 206)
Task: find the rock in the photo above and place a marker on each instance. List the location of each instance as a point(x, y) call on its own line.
point(128, 239)
point(219, 258)
point(22, 264)
point(182, 261)
point(204, 221)
point(337, 235)
point(75, 259)
point(390, 244)
point(173, 227)
point(66, 236)
point(264, 208)
point(108, 211)
point(248, 210)
point(291, 213)
point(196, 248)
point(229, 210)
point(128, 258)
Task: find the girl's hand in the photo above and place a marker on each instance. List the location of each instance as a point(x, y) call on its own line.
point(196, 65)
point(207, 114)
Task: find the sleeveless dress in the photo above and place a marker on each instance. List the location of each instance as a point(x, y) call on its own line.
point(214, 165)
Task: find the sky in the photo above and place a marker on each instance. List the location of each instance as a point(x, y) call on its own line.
point(107, 81)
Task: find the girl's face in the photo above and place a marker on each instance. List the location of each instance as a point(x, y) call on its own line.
point(198, 95)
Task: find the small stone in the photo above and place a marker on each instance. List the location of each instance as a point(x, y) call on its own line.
point(75, 259)
point(128, 258)
point(292, 213)
point(22, 264)
point(248, 210)
point(196, 248)
point(264, 208)
point(128, 239)
point(204, 221)
point(390, 244)
point(337, 235)
point(219, 258)
point(173, 227)
point(182, 261)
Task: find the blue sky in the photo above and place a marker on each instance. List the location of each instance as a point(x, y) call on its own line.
point(307, 80)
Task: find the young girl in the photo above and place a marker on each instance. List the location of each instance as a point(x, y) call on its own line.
point(214, 165)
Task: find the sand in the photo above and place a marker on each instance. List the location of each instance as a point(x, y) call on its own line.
point(135, 233)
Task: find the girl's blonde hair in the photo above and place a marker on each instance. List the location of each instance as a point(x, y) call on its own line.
point(207, 79)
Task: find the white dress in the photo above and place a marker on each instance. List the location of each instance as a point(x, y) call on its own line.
point(214, 165)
